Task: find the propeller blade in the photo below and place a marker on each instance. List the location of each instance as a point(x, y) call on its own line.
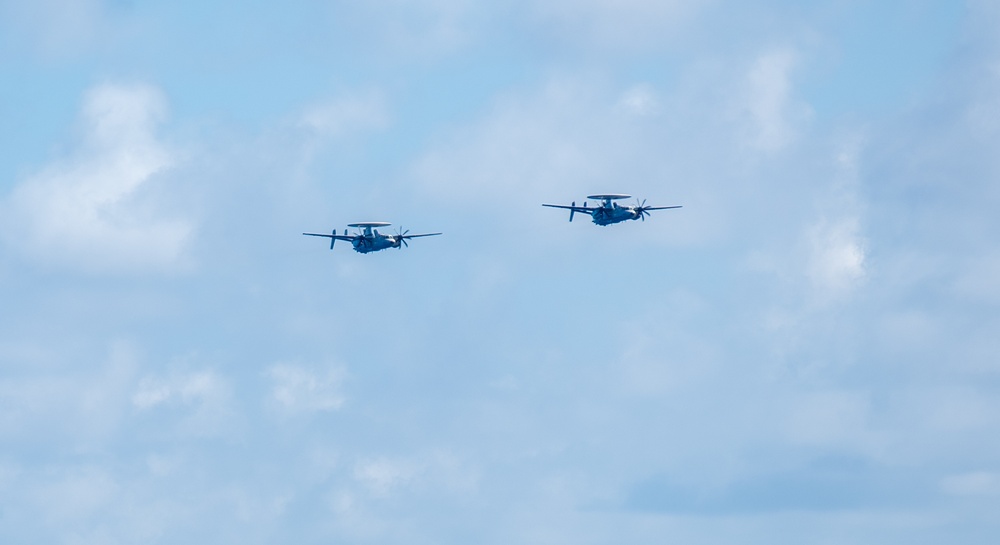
point(333, 239)
point(401, 238)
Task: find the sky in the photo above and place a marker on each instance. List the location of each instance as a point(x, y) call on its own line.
point(807, 352)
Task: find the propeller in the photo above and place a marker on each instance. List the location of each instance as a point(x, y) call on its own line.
point(400, 233)
point(640, 207)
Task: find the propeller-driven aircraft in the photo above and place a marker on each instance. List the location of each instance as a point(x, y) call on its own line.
point(609, 212)
point(368, 239)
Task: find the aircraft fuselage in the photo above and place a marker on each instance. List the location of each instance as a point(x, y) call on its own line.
point(606, 215)
point(374, 241)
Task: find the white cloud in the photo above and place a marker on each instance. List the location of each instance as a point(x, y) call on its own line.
point(660, 357)
point(453, 473)
point(831, 418)
point(436, 471)
point(774, 114)
point(618, 24)
point(817, 244)
point(341, 502)
point(96, 211)
point(346, 114)
point(68, 406)
point(640, 100)
point(58, 27)
point(299, 390)
point(187, 389)
point(418, 27)
point(836, 256)
point(979, 279)
point(426, 28)
point(199, 403)
point(982, 116)
point(381, 476)
point(76, 495)
point(562, 138)
point(978, 483)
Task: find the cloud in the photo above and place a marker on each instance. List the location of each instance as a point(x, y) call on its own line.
point(58, 27)
point(416, 27)
point(979, 279)
point(296, 389)
point(434, 472)
point(818, 243)
point(69, 407)
point(837, 259)
point(76, 494)
point(519, 146)
point(977, 483)
point(622, 24)
point(381, 476)
point(569, 134)
point(346, 114)
point(774, 115)
point(833, 418)
point(836, 256)
point(197, 403)
point(822, 486)
point(640, 100)
point(186, 389)
point(97, 211)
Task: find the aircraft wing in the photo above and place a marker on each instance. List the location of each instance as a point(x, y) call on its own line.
point(423, 235)
point(573, 209)
point(660, 207)
point(584, 209)
point(337, 237)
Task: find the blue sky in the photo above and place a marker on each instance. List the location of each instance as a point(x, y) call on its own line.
point(807, 352)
